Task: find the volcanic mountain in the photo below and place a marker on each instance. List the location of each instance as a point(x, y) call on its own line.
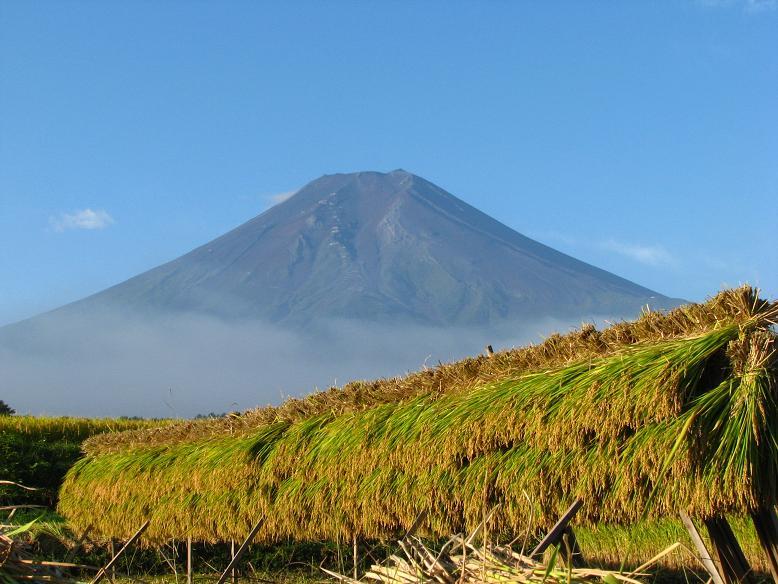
point(376, 246)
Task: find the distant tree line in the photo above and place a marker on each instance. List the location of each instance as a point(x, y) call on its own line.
point(209, 415)
point(6, 410)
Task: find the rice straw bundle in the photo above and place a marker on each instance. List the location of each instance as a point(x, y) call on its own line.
point(593, 415)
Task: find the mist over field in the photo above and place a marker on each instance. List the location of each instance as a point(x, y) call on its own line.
point(356, 275)
point(120, 364)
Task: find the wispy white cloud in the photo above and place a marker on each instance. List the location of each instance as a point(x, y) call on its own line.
point(651, 255)
point(81, 219)
point(276, 198)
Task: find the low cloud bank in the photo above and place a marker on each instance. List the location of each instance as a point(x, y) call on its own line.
point(128, 365)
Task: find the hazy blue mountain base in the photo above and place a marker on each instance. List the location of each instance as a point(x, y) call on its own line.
point(117, 364)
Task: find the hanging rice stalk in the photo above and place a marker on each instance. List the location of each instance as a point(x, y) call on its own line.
point(673, 411)
point(731, 306)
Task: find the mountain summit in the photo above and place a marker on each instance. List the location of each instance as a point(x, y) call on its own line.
point(380, 247)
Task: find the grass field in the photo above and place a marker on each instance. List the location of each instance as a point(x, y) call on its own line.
point(71, 429)
point(38, 451)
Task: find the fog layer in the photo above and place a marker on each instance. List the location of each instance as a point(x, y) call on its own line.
point(128, 365)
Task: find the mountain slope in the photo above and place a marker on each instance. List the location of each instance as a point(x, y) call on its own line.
point(382, 247)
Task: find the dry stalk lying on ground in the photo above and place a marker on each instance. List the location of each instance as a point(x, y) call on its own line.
point(18, 565)
point(461, 562)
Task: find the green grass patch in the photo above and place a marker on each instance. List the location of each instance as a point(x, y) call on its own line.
point(38, 451)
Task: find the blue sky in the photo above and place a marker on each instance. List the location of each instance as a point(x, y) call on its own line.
point(641, 137)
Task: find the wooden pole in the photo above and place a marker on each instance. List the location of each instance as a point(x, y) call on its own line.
point(571, 551)
point(232, 554)
point(555, 534)
point(241, 550)
point(172, 561)
point(730, 558)
point(189, 576)
point(103, 572)
point(766, 524)
point(112, 551)
point(707, 561)
point(356, 551)
point(72, 553)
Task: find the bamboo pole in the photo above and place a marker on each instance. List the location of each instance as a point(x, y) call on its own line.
point(112, 551)
point(571, 551)
point(241, 550)
point(72, 553)
point(730, 559)
point(189, 576)
point(766, 524)
point(555, 534)
point(234, 570)
point(103, 572)
point(356, 550)
point(705, 558)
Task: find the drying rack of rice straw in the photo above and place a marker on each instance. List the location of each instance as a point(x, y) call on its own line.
point(673, 413)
